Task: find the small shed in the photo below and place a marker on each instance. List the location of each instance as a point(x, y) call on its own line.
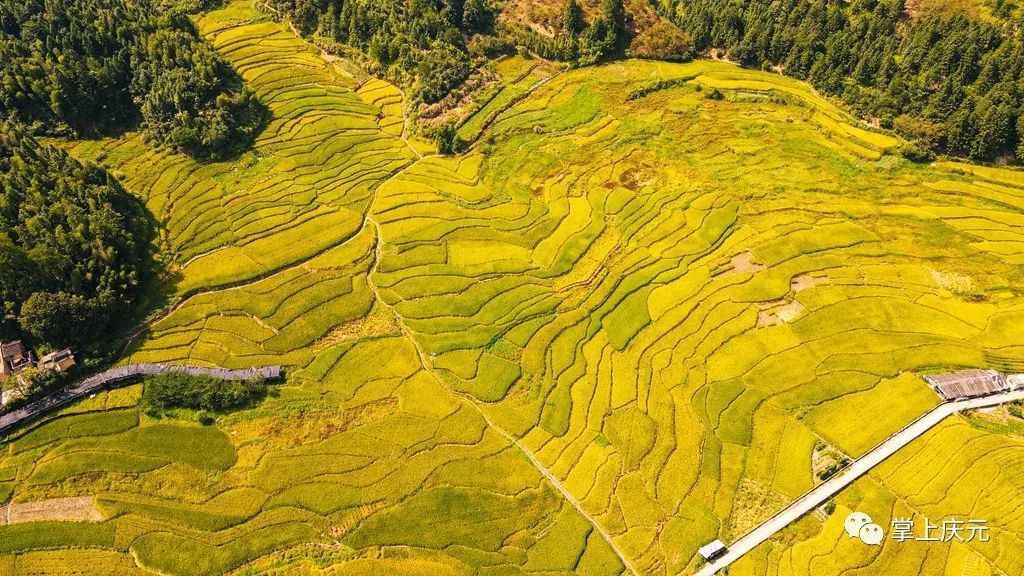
point(1016, 381)
point(14, 357)
point(971, 383)
point(712, 550)
point(58, 361)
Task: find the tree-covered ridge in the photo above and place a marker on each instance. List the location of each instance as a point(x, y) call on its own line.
point(952, 84)
point(73, 244)
point(406, 39)
point(94, 66)
point(429, 45)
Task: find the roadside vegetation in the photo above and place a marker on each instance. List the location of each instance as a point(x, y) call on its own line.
point(177, 390)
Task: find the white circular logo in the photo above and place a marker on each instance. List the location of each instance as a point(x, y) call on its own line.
point(860, 525)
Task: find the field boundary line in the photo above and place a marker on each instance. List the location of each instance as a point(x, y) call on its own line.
point(475, 143)
point(468, 398)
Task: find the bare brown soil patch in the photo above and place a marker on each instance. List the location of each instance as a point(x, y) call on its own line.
point(545, 17)
point(805, 281)
point(778, 312)
point(79, 509)
point(943, 8)
point(743, 263)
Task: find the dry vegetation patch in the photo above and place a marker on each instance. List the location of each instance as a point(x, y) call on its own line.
point(806, 281)
point(78, 509)
point(743, 263)
point(778, 312)
point(753, 503)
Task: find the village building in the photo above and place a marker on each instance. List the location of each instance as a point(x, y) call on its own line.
point(712, 550)
point(59, 361)
point(14, 357)
point(972, 383)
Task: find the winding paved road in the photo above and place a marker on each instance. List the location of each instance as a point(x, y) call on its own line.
point(822, 492)
point(120, 374)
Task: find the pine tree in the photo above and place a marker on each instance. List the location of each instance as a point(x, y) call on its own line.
point(615, 12)
point(572, 18)
point(477, 17)
point(962, 131)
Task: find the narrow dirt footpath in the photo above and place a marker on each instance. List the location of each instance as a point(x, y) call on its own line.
point(426, 365)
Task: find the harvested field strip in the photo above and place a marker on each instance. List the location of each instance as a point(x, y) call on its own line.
point(81, 509)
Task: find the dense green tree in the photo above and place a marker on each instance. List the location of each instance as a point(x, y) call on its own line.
point(189, 112)
point(959, 79)
point(477, 17)
point(572, 18)
point(61, 318)
point(447, 138)
point(87, 66)
point(73, 244)
point(418, 43)
point(615, 12)
point(177, 390)
point(443, 69)
point(597, 41)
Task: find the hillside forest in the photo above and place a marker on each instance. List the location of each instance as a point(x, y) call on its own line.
point(89, 67)
point(950, 84)
point(73, 245)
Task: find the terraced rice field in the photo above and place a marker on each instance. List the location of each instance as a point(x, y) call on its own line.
point(620, 327)
point(519, 76)
point(961, 469)
point(303, 189)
